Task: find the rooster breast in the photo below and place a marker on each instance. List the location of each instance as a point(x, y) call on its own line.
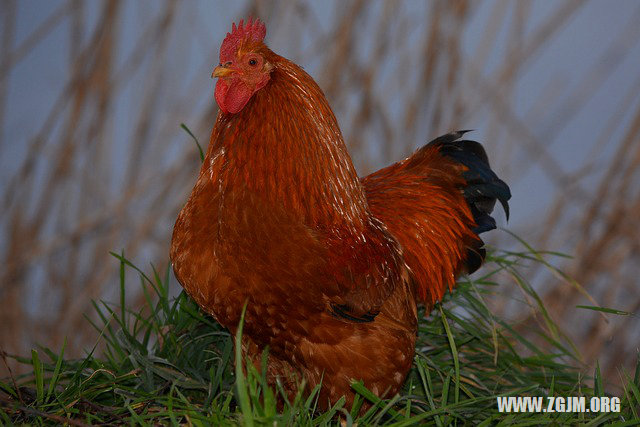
point(232, 247)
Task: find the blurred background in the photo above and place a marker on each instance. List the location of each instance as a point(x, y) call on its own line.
point(93, 159)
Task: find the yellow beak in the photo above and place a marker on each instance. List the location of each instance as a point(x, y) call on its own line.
point(221, 71)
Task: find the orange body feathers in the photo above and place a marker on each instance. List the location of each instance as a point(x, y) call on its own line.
point(329, 265)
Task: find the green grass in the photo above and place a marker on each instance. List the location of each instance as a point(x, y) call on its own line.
point(169, 363)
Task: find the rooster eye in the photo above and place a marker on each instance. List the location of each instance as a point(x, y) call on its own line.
point(253, 62)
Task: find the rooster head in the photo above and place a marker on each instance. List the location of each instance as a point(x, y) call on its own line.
point(243, 69)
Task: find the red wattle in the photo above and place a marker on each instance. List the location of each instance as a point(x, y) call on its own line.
point(232, 95)
point(222, 87)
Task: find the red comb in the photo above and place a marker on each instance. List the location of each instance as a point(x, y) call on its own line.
point(252, 31)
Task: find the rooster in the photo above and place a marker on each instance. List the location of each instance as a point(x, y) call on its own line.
point(330, 266)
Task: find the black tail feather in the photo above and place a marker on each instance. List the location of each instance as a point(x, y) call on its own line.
point(475, 257)
point(482, 189)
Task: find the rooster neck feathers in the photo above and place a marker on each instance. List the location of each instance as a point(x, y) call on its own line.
point(285, 146)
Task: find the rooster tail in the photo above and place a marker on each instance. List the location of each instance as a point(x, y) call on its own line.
point(481, 191)
point(435, 203)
